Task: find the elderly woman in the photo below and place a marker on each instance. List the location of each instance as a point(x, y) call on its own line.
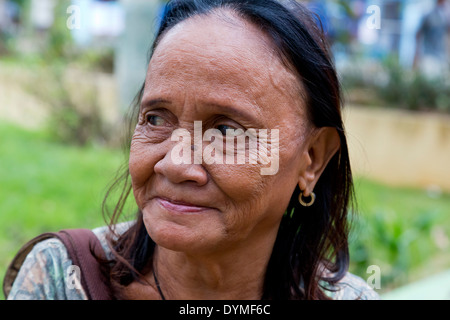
point(227, 229)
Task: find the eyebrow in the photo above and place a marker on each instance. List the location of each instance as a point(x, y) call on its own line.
point(218, 108)
point(229, 109)
point(153, 102)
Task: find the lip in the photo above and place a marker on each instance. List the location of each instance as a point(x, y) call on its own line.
point(180, 206)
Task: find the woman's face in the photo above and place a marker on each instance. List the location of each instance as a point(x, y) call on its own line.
point(224, 72)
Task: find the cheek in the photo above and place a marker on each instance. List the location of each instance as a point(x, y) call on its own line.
point(139, 163)
point(253, 195)
point(238, 182)
point(265, 197)
point(244, 188)
point(143, 157)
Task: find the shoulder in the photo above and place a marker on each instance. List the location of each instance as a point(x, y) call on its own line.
point(47, 274)
point(352, 287)
point(43, 274)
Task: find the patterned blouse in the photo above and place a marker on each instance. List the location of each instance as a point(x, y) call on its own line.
point(45, 275)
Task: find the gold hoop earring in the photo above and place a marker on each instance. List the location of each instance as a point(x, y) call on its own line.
point(310, 203)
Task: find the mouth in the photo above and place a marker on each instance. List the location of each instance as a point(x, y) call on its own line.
point(180, 206)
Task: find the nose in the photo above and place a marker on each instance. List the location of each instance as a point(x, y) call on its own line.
point(183, 172)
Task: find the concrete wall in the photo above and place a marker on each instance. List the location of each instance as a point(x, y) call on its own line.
point(400, 147)
point(17, 104)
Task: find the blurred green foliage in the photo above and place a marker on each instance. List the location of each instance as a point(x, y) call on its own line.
point(388, 84)
point(396, 229)
point(54, 45)
point(70, 121)
point(59, 44)
point(44, 74)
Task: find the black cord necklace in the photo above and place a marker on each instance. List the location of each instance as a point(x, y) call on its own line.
point(157, 285)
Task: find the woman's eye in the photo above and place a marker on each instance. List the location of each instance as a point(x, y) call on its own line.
point(223, 129)
point(155, 120)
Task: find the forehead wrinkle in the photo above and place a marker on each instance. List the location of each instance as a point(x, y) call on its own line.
point(227, 63)
point(213, 86)
point(223, 44)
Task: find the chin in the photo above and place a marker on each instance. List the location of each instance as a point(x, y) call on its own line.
point(174, 236)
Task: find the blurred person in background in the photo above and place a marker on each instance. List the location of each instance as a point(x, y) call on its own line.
point(9, 20)
point(431, 41)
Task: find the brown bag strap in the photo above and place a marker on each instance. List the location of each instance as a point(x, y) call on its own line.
point(83, 248)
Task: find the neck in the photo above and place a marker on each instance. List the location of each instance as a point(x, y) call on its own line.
point(234, 275)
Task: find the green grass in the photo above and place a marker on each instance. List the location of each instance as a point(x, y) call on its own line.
point(47, 186)
point(404, 231)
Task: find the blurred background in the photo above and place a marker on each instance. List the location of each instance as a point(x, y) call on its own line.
point(70, 69)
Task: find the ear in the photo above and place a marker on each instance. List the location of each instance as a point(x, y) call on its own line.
point(324, 144)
